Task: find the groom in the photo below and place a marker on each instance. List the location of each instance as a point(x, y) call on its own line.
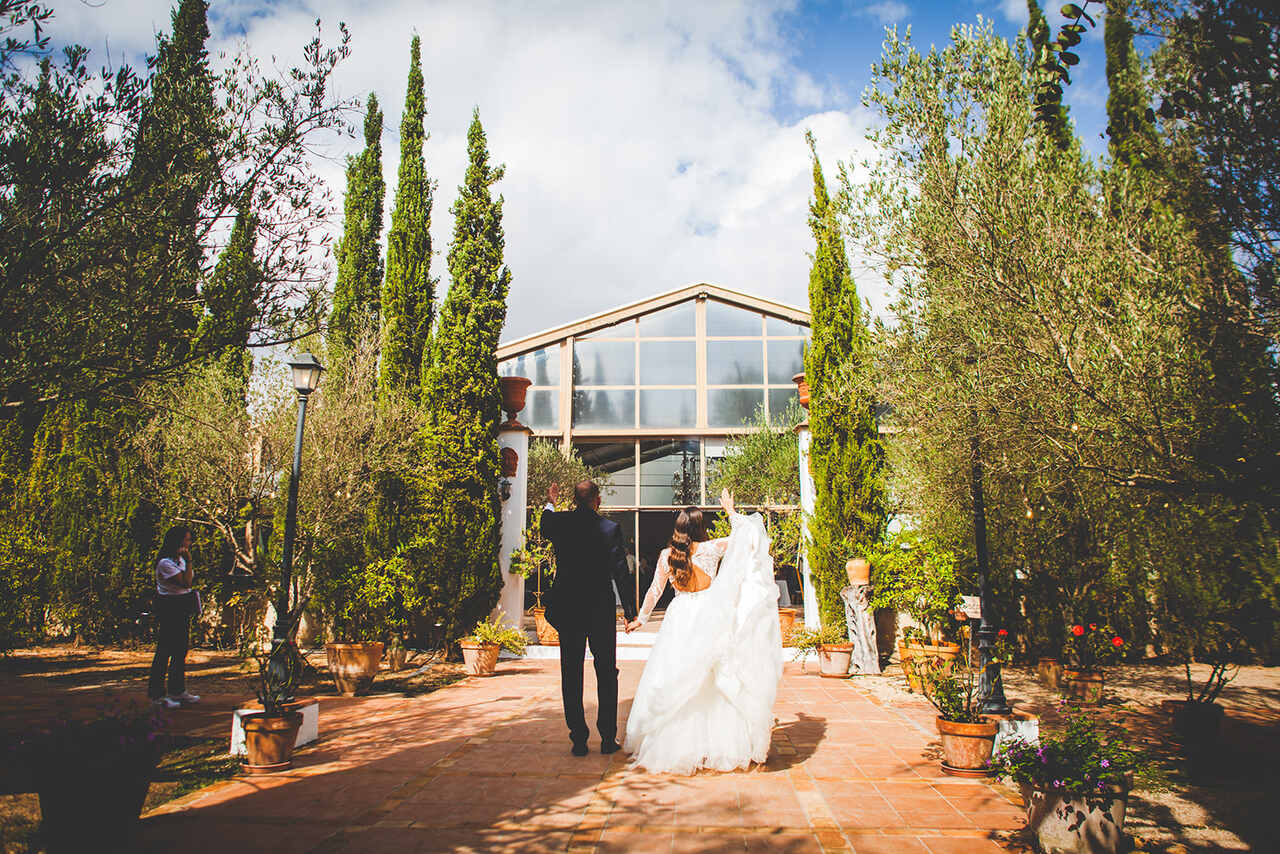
point(590, 559)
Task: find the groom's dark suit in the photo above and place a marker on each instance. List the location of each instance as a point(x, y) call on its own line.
point(590, 558)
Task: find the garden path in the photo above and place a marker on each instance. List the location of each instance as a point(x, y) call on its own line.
point(484, 765)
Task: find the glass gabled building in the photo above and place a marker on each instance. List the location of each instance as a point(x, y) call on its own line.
point(650, 391)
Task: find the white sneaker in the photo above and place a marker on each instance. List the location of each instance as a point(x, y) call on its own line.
point(167, 703)
point(185, 698)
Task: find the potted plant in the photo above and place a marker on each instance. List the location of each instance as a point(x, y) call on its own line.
point(968, 736)
point(370, 603)
point(480, 648)
point(1092, 646)
point(1049, 672)
point(92, 776)
point(914, 574)
point(537, 558)
point(830, 644)
point(269, 735)
point(397, 654)
point(1075, 785)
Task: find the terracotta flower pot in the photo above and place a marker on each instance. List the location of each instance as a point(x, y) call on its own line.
point(93, 805)
point(786, 622)
point(353, 665)
point(481, 659)
point(547, 634)
point(802, 386)
point(833, 660)
point(1197, 724)
point(1068, 824)
point(1085, 686)
point(268, 741)
point(858, 571)
point(966, 748)
point(919, 657)
point(514, 390)
point(1049, 672)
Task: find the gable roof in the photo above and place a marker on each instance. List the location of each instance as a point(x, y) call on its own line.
point(589, 324)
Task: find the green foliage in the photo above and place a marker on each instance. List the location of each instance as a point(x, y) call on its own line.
point(371, 602)
point(952, 688)
point(408, 295)
point(1094, 645)
point(846, 458)
point(1132, 138)
point(455, 557)
point(231, 300)
point(357, 306)
point(496, 631)
point(915, 574)
point(25, 565)
point(1055, 113)
point(808, 640)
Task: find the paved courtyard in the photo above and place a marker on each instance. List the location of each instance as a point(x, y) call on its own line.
point(484, 766)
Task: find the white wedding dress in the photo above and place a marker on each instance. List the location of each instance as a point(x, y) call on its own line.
point(705, 699)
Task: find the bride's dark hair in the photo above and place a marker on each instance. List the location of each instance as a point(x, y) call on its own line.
point(689, 529)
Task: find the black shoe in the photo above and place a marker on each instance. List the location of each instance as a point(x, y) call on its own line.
point(608, 747)
point(580, 749)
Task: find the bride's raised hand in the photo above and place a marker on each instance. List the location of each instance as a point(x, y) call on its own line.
point(726, 501)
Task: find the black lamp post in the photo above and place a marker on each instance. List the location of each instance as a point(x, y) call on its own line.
point(306, 377)
point(991, 685)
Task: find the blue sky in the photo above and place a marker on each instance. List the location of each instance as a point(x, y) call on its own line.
point(648, 145)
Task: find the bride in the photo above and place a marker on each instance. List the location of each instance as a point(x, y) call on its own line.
point(705, 699)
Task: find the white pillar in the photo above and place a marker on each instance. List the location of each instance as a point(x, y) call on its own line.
point(807, 495)
point(513, 437)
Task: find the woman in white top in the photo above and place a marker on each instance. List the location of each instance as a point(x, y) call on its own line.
point(706, 697)
point(175, 603)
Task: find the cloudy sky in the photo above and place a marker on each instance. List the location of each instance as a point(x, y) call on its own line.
point(649, 144)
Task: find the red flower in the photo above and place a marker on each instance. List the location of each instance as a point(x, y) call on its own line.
point(1077, 630)
point(1004, 633)
point(1117, 641)
point(1093, 627)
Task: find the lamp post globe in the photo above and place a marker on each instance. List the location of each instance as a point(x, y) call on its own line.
point(306, 370)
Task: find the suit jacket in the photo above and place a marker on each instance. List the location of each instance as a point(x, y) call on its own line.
point(590, 558)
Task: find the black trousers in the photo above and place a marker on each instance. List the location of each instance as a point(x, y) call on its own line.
point(174, 616)
point(601, 633)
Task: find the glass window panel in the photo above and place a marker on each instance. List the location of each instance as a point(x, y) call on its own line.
point(670, 473)
point(675, 322)
point(668, 407)
point(776, 326)
point(786, 359)
point(625, 329)
point(618, 461)
point(668, 363)
point(735, 362)
point(732, 407)
point(779, 399)
point(729, 320)
point(541, 366)
point(604, 363)
point(602, 409)
point(542, 412)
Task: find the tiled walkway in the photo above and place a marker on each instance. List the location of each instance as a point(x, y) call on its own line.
point(484, 766)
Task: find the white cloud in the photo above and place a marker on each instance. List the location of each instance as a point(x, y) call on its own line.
point(886, 12)
point(1016, 10)
point(641, 141)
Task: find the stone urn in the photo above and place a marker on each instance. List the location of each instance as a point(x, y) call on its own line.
point(1085, 686)
point(514, 391)
point(803, 387)
point(1049, 671)
point(479, 657)
point(786, 622)
point(833, 660)
point(353, 665)
point(1064, 823)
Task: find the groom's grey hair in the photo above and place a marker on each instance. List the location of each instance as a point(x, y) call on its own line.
point(585, 493)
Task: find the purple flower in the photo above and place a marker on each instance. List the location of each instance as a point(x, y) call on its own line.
point(1101, 786)
point(1106, 763)
point(1057, 784)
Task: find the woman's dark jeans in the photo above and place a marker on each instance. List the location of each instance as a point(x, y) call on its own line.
point(174, 616)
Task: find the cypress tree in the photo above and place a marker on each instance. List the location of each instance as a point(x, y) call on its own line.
point(846, 457)
point(408, 296)
point(1058, 126)
point(457, 554)
point(357, 297)
point(231, 300)
point(1132, 137)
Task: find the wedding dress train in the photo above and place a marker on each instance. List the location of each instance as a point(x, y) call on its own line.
point(705, 699)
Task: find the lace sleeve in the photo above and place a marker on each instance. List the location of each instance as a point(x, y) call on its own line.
point(715, 548)
point(660, 575)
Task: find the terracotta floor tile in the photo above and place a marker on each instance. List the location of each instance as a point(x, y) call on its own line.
point(960, 845)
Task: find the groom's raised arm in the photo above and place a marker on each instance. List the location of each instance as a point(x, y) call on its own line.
point(621, 576)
